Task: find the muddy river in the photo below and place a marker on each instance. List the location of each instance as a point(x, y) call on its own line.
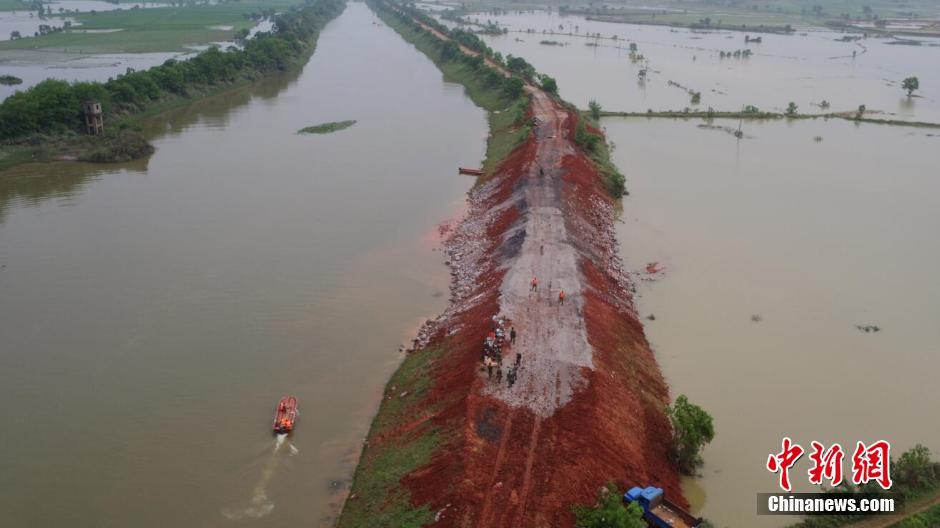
point(776, 246)
point(152, 314)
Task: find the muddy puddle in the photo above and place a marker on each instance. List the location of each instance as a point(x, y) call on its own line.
point(153, 314)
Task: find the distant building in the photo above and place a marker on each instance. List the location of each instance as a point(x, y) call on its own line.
point(94, 119)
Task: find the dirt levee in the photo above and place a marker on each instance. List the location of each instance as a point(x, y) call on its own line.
point(588, 399)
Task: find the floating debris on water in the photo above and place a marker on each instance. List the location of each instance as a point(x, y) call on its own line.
point(733, 131)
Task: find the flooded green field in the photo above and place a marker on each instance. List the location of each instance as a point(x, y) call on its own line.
point(153, 314)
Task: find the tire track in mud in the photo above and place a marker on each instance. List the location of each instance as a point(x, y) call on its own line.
point(497, 465)
point(527, 476)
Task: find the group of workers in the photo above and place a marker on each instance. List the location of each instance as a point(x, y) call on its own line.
point(493, 352)
point(492, 357)
point(535, 287)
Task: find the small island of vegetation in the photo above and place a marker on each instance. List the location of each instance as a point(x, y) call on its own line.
point(326, 128)
point(10, 80)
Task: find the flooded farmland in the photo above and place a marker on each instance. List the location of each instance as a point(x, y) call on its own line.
point(152, 314)
point(776, 246)
point(806, 68)
point(34, 67)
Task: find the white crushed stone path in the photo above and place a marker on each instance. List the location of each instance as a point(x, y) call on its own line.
point(551, 337)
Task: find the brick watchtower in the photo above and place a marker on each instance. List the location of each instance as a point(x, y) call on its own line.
point(94, 119)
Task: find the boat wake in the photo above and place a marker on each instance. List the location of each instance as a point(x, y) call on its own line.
point(260, 505)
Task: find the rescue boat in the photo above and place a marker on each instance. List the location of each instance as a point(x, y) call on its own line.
point(286, 415)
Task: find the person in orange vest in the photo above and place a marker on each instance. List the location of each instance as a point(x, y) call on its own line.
point(561, 297)
point(535, 284)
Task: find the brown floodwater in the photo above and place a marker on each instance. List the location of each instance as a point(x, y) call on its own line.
point(152, 314)
point(805, 68)
point(811, 237)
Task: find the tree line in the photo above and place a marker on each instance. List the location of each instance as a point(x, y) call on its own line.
point(513, 86)
point(55, 106)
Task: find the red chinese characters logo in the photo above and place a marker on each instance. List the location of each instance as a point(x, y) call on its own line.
point(826, 464)
point(872, 463)
point(869, 463)
point(783, 461)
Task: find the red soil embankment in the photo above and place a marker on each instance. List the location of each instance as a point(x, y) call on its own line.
point(589, 405)
point(507, 465)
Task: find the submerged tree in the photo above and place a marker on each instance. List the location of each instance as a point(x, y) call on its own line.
point(692, 428)
point(791, 109)
point(910, 84)
point(595, 109)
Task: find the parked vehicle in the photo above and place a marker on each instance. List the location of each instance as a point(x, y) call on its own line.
point(658, 511)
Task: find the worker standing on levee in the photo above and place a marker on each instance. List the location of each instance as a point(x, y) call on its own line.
point(535, 284)
point(512, 335)
point(561, 297)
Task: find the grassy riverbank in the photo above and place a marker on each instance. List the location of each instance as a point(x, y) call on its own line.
point(46, 121)
point(377, 497)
